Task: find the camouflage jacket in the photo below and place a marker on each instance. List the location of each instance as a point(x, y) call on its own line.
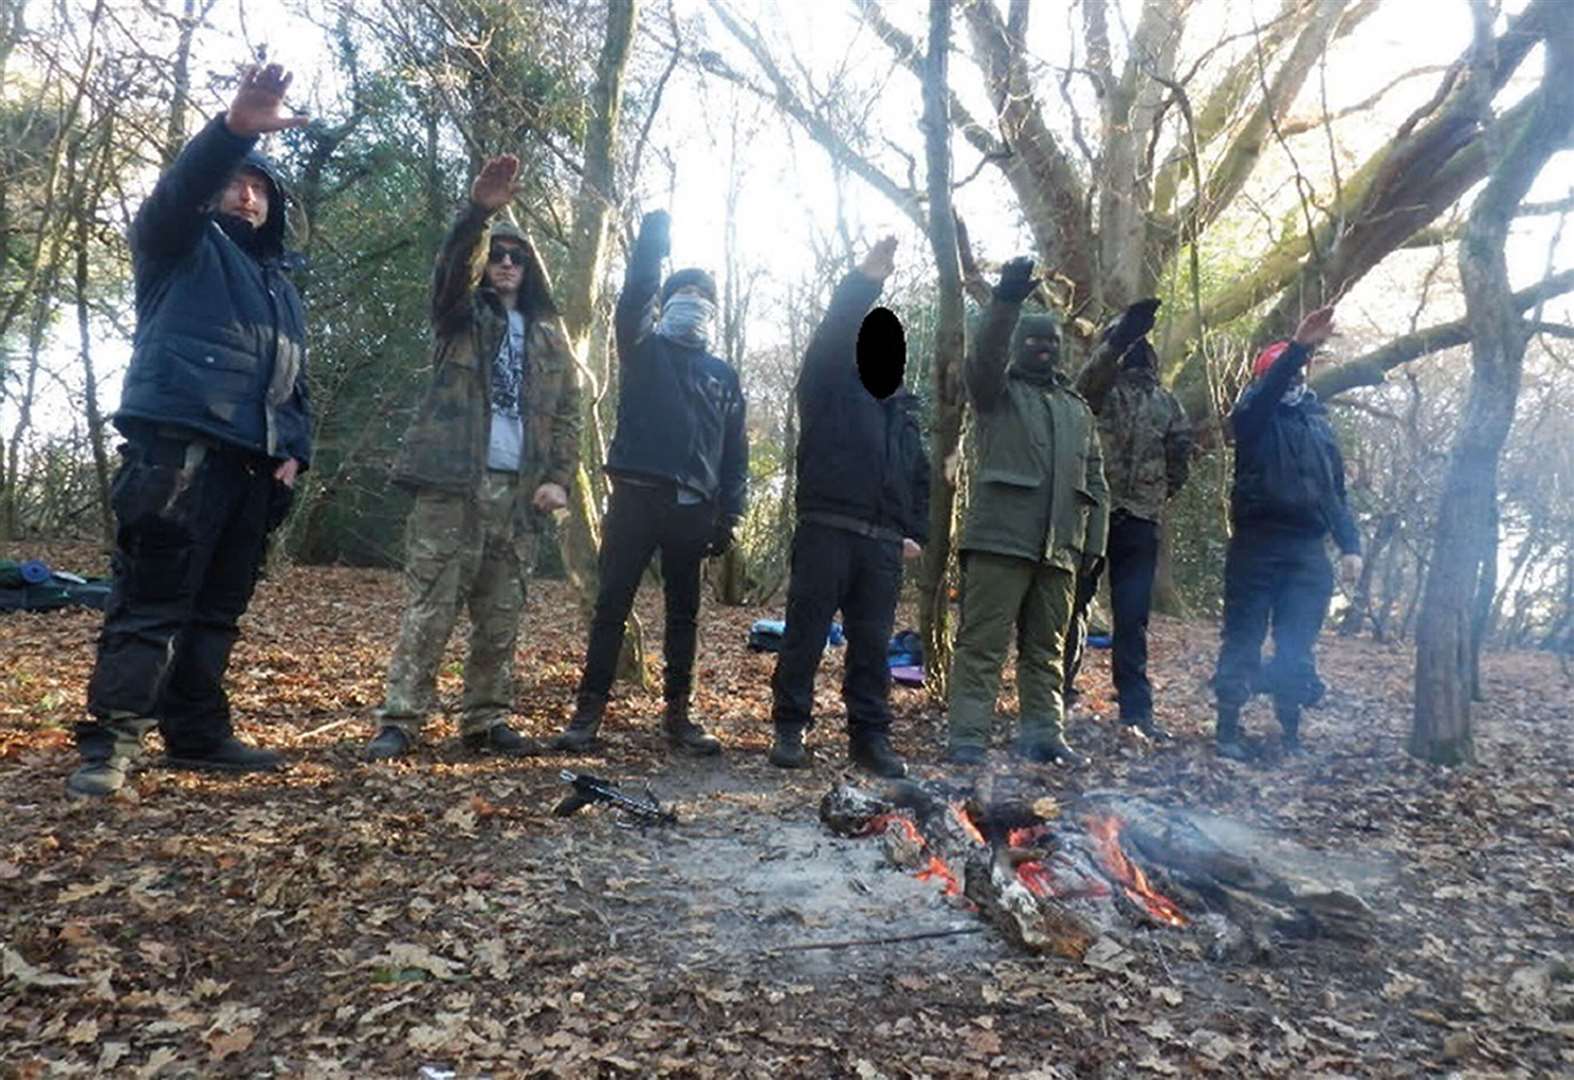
point(1034, 475)
point(1146, 436)
point(446, 445)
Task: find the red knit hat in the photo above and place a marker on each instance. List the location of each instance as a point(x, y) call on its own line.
point(1266, 358)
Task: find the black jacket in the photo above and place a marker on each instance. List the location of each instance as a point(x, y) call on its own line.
point(680, 409)
point(1289, 474)
point(858, 456)
point(220, 345)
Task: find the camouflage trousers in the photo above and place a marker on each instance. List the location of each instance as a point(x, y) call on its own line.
point(461, 552)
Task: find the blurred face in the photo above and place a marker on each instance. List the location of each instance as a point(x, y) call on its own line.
point(505, 266)
point(246, 197)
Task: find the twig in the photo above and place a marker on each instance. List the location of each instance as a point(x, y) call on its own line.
point(894, 939)
point(326, 728)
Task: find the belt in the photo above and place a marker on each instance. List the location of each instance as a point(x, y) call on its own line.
point(850, 524)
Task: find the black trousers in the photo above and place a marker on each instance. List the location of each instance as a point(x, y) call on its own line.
point(192, 522)
point(1132, 554)
point(641, 520)
point(1278, 580)
point(833, 569)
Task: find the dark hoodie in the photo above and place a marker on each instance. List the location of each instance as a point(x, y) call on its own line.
point(220, 345)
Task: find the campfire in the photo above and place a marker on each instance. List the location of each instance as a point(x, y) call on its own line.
point(1057, 879)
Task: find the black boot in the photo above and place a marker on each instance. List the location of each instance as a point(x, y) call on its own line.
point(1227, 742)
point(501, 739)
point(1289, 717)
point(231, 755)
point(389, 742)
point(871, 750)
point(788, 751)
point(1051, 749)
point(108, 752)
point(583, 725)
point(1149, 727)
point(684, 734)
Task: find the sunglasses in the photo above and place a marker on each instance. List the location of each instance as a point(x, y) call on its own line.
point(510, 255)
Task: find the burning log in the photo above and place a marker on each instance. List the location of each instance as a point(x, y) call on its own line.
point(1054, 881)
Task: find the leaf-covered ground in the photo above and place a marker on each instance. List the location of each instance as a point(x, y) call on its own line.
point(347, 920)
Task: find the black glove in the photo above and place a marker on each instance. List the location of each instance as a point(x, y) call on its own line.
point(720, 540)
point(1016, 280)
point(655, 233)
point(1134, 323)
point(1092, 566)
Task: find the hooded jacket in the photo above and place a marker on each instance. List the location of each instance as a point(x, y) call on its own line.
point(859, 457)
point(1289, 474)
point(1145, 434)
point(220, 344)
point(445, 447)
point(1035, 474)
point(680, 409)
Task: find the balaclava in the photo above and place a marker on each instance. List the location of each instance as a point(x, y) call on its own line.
point(686, 320)
point(1030, 366)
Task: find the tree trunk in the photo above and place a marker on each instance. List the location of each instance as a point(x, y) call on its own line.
point(1486, 589)
point(949, 344)
point(1442, 731)
point(95, 417)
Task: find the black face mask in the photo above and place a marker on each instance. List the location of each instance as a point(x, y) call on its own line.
point(882, 353)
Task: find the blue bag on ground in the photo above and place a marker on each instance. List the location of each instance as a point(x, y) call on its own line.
point(766, 635)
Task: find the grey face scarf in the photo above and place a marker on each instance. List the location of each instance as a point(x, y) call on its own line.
point(686, 320)
point(1297, 391)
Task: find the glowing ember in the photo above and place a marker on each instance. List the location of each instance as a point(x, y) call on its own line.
point(1037, 878)
point(1027, 836)
point(938, 870)
point(1106, 833)
point(959, 815)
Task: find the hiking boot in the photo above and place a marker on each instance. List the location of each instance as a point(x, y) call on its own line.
point(1051, 749)
point(684, 734)
point(583, 725)
point(389, 742)
point(500, 739)
point(965, 754)
point(231, 755)
point(872, 751)
point(1227, 741)
point(788, 751)
point(108, 752)
point(1148, 727)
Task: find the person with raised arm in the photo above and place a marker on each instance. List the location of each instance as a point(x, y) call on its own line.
point(1289, 496)
point(679, 470)
point(492, 450)
point(862, 506)
point(217, 421)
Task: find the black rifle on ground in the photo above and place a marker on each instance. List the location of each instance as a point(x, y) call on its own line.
point(592, 789)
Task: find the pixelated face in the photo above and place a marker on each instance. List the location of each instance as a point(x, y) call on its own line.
point(246, 197)
point(882, 353)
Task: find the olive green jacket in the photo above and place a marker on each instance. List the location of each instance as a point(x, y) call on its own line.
point(1034, 472)
point(445, 448)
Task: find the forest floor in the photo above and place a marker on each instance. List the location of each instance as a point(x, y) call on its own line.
point(340, 919)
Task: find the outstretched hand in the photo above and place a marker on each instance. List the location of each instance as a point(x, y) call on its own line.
point(881, 259)
point(1016, 280)
point(258, 105)
point(1316, 328)
point(495, 187)
point(1134, 323)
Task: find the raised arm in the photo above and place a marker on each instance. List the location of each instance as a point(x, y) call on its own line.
point(831, 358)
point(1256, 405)
point(1098, 376)
point(172, 217)
point(460, 259)
point(636, 313)
point(984, 371)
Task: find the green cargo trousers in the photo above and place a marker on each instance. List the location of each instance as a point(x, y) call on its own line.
point(1002, 594)
point(461, 552)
